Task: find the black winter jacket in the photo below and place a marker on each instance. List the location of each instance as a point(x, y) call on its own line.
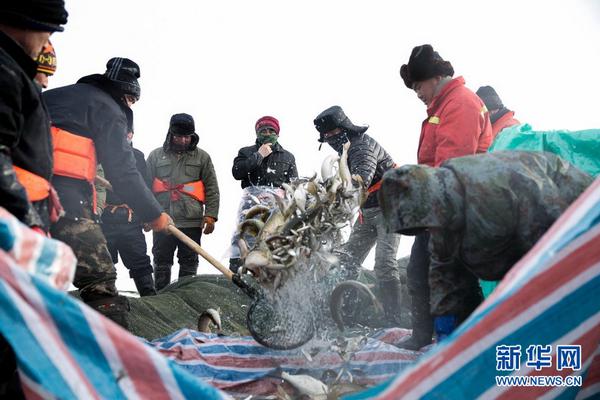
point(369, 160)
point(92, 109)
point(24, 133)
point(273, 170)
point(121, 215)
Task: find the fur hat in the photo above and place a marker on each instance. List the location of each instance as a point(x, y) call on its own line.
point(490, 98)
point(424, 63)
point(182, 125)
point(46, 60)
point(124, 73)
point(267, 121)
point(334, 117)
point(37, 15)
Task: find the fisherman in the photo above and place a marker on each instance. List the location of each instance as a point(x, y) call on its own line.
point(184, 183)
point(500, 116)
point(89, 120)
point(46, 65)
point(367, 159)
point(457, 124)
point(123, 229)
point(266, 163)
point(483, 213)
point(25, 143)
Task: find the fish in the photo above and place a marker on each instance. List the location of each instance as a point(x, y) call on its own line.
point(208, 316)
point(327, 168)
point(306, 385)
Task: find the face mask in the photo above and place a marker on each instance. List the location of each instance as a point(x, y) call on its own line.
point(267, 138)
point(337, 141)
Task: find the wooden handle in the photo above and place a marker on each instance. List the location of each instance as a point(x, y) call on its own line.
point(196, 247)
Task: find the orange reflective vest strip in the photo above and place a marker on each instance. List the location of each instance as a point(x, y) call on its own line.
point(193, 189)
point(377, 185)
point(37, 188)
point(74, 155)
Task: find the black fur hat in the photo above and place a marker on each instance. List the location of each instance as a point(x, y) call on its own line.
point(424, 63)
point(183, 125)
point(334, 117)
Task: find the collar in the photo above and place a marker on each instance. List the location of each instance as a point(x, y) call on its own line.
point(450, 86)
point(16, 52)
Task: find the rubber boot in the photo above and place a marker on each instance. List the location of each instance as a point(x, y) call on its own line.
point(145, 285)
point(114, 308)
point(235, 264)
point(187, 270)
point(422, 326)
point(389, 293)
point(162, 276)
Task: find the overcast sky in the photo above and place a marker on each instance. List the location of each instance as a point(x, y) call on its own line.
point(229, 62)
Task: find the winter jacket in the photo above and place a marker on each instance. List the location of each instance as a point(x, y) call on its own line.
point(457, 125)
point(504, 121)
point(92, 109)
point(484, 212)
point(179, 168)
point(368, 159)
point(120, 215)
point(24, 133)
point(273, 170)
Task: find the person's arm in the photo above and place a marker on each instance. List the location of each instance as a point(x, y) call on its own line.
point(13, 196)
point(245, 163)
point(363, 160)
point(458, 134)
point(293, 171)
point(211, 188)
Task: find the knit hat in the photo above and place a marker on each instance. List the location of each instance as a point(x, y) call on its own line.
point(490, 98)
point(424, 63)
point(182, 124)
point(37, 15)
point(124, 73)
point(267, 121)
point(46, 60)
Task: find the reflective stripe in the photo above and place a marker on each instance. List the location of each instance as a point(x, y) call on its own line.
point(37, 188)
point(434, 119)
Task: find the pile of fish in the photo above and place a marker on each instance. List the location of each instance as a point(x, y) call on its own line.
point(303, 224)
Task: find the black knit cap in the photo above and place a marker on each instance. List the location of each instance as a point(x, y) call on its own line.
point(37, 15)
point(490, 98)
point(124, 73)
point(182, 124)
point(424, 63)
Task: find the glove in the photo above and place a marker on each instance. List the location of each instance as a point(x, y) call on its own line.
point(209, 225)
point(444, 326)
point(160, 224)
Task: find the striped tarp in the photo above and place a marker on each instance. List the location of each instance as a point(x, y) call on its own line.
point(65, 349)
point(242, 367)
point(550, 297)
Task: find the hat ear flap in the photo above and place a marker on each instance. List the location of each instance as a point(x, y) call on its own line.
point(404, 75)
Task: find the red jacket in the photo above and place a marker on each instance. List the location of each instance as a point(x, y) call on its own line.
point(504, 122)
point(457, 125)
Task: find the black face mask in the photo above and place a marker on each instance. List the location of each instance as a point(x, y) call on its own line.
point(337, 141)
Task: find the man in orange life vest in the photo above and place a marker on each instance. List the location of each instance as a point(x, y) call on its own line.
point(25, 144)
point(500, 116)
point(185, 184)
point(370, 161)
point(457, 124)
point(89, 120)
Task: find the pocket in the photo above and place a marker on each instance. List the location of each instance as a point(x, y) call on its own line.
point(192, 171)
point(163, 169)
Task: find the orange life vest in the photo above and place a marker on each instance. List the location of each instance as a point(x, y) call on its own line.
point(193, 189)
point(377, 185)
point(74, 157)
point(37, 188)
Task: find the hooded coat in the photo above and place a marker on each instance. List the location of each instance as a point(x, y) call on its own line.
point(92, 108)
point(457, 125)
point(24, 133)
point(187, 166)
point(483, 212)
point(273, 170)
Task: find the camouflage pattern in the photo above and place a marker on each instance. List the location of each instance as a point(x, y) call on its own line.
point(484, 212)
point(367, 232)
point(95, 275)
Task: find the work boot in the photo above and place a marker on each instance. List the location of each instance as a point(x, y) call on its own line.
point(422, 326)
point(389, 294)
point(235, 264)
point(187, 270)
point(162, 276)
point(145, 285)
point(114, 308)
